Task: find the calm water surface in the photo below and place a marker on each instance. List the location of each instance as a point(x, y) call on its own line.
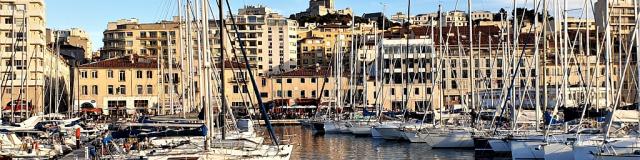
point(347, 146)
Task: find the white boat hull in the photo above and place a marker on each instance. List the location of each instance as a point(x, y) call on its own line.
point(526, 150)
point(558, 151)
point(360, 130)
point(461, 139)
point(390, 133)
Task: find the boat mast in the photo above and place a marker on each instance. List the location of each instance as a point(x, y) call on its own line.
point(221, 27)
point(439, 65)
point(471, 56)
point(351, 64)
point(545, 89)
point(405, 59)
point(635, 6)
point(607, 32)
point(181, 49)
point(537, 63)
point(170, 64)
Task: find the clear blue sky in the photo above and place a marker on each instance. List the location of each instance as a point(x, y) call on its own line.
point(93, 15)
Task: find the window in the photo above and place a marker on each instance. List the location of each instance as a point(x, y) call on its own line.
point(110, 89)
point(20, 7)
point(302, 94)
point(149, 74)
point(84, 90)
point(94, 74)
point(326, 93)
point(140, 89)
point(110, 73)
point(122, 89)
point(141, 104)
point(289, 80)
point(302, 80)
point(289, 93)
point(416, 91)
point(236, 89)
point(138, 74)
point(313, 93)
point(94, 90)
point(313, 80)
point(393, 91)
point(83, 74)
point(278, 80)
point(149, 89)
point(122, 76)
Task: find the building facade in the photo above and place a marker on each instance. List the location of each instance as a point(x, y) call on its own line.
point(128, 85)
point(33, 76)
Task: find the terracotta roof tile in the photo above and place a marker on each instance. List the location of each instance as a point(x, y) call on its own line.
point(305, 72)
point(132, 61)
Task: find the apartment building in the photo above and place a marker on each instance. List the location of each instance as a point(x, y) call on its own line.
point(128, 85)
point(32, 74)
point(622, 23)
point(482, 15)
point(325, 39)
point(75, 37)
point(408, 82)
point(269, 39)
point(622, 16)
point(127, 36)
point(456, 18)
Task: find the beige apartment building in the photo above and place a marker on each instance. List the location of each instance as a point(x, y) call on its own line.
point(30, 72)
point(269, 39)
point(127, 85)
point(622, 16)
point(74, 37)
point(323, 39)
point(127, 37)
point(622, 22)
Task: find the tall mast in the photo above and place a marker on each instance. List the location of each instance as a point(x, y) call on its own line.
point(607, 32)
point(471, 57)
point(182, 70)
point(545, 91)
point(438, 63)
point(352, 63)
point(222, 27)
point(405, 59)
point(206, 73)
point(537, 63)
point(170, 64)
point(635, 6)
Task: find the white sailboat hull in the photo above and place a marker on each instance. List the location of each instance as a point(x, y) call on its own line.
point(499, 145)
point(449, 140)
point(389, 132)
point(558, 151)
point(331, 127)
point(526, 150)
point(375, 134)
point(360, 130)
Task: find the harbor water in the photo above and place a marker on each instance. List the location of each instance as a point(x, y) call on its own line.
point(347, 146)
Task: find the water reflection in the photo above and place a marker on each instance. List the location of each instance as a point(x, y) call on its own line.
point(346, 146)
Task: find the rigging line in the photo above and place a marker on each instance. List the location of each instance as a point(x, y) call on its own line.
point(514, 72)
point(253, 81)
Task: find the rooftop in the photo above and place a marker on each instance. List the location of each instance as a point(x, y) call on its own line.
point(131, 61)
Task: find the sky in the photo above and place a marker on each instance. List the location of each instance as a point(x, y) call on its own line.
point(93, 15)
